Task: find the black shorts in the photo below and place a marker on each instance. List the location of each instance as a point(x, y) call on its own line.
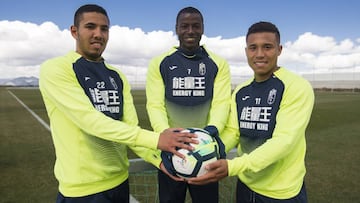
point(171, 191)
point(118, 194)
point(246, 195)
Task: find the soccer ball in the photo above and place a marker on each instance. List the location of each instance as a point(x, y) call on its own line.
point(195, 161)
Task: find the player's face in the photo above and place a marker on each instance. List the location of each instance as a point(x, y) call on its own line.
point(91, 35)
point(189, 29)
point(262, 51)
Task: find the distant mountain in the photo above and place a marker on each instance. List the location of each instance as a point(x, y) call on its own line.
point(20, 81)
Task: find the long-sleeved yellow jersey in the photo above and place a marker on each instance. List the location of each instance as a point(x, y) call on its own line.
point(267, 122)
point(188, 90)
point(92, 120)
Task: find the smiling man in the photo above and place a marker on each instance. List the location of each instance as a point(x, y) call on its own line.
point(93, 119)
point(268, 119)
point(188, 86)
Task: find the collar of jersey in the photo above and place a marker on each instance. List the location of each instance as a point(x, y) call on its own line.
point(191, 54)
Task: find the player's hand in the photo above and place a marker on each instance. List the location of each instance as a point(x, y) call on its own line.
point(213, 131)
point(170, 171)
point(216, 171)
point(172, 139)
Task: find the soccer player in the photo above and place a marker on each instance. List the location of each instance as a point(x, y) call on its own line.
point(93, 118)
point(268, 119)
point(188, 86)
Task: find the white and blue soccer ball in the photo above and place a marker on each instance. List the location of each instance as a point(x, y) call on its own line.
point(207, 151)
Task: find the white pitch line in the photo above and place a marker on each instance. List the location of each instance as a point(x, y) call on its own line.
point(42, 122)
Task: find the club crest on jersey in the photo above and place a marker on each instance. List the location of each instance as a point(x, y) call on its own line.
point(272, 96)
point(112, 81)
point(202, 68)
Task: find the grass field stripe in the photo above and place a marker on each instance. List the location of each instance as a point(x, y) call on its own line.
point(41, 121)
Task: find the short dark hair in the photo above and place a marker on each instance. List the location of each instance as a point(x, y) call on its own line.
point(189, 10)
point(88, 8)
point(263, 27)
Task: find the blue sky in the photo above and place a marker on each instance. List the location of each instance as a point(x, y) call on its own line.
point(228, 18)
point(318, 36)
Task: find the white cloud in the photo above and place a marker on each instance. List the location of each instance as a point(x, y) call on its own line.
point(338, 61)
point(309, 42)
point(24, 46)
point(133, 47)
point(311, 52)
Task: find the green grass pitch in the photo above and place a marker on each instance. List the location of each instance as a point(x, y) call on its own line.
point(27, 152)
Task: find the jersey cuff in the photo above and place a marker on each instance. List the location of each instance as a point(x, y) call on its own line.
point(147, 139)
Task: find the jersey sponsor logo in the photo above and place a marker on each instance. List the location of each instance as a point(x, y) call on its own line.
point(256, 118)
point(188, 86)
point(105, 100)
point(189, 80)
point(188, 93)
point(86, 78)
point(189, 83)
